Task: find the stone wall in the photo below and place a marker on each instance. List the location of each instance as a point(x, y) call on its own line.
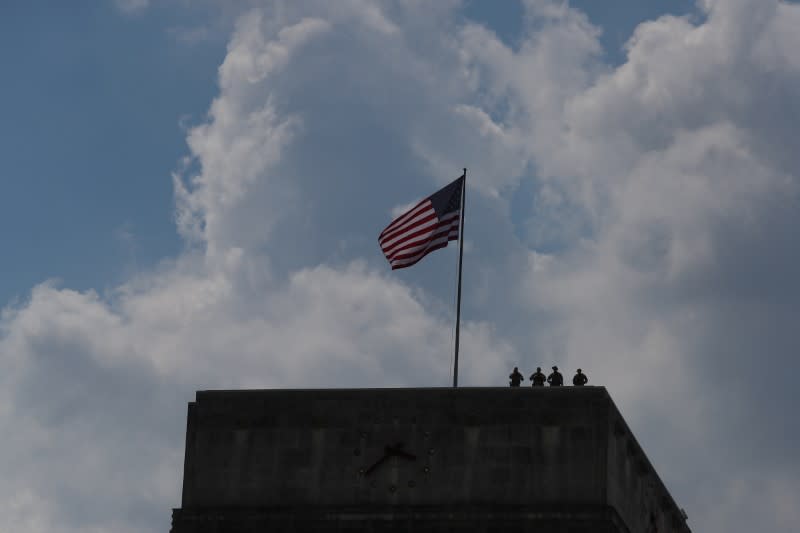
point(517, 457)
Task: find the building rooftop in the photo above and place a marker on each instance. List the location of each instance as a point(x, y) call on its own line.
point(526, 456)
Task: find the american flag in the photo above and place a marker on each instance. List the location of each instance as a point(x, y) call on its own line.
point(426, 227)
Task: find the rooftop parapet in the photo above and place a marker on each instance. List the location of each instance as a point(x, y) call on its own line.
point(527, 454)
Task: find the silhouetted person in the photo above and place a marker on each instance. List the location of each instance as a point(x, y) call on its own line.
point(538, 378)
point(555, 379)
point(516, 378)
point(580, 379)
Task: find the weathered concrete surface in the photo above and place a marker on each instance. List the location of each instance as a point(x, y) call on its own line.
point(468, 459)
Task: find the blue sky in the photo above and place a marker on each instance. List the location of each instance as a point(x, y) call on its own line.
point(92, 106)
point(192, 191)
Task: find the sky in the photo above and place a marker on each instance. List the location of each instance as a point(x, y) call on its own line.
point(192, 193)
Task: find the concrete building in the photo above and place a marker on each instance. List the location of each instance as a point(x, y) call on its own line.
point(417, 460)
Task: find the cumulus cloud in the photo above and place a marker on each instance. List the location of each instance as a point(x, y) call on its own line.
point(635, 221)
point(679, 291)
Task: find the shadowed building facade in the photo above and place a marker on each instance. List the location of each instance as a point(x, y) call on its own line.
point(417, 460)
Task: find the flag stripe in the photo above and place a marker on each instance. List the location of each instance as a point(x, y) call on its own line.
point(400, 263)
point(389, 247)
point(415, 237)
point(419, 249)
point(407, 263)
point(412, 246)
point(420, 220)
point(405, 216)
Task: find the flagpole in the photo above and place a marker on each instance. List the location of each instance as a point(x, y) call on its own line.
point(460, 258)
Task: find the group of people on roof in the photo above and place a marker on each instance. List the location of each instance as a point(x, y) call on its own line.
point(555, 379)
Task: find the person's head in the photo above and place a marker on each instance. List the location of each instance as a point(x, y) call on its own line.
point(538, 369)
point(515, 369)
point(555, 368)
point(579, 371)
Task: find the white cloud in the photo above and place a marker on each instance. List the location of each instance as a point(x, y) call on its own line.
point(94, 396)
